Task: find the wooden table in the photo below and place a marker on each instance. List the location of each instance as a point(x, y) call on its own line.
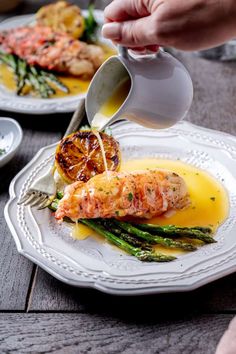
point(40, 314)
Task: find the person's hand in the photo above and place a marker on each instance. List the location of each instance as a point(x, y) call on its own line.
point(183, 24)
point(227, 343)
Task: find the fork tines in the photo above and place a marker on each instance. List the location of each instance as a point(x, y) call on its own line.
point(35, 198)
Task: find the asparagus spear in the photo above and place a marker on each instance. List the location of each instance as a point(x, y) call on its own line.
point(204, 229)
point(21, 75)
point(142, 255)
point(9, 60)
point(52, 78)
point(42, 80)
point(108, 224)
point(37, 86)
point(54, 205)
point(199, 233)
point(40, 84)
point(37, 78)
point(59, 195)
point(19, 67)
point(155, 239)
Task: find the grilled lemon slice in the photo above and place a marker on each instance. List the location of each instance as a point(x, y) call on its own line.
point(79, 156)
point(62, 16)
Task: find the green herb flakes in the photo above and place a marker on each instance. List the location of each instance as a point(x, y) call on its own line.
point(130, 197)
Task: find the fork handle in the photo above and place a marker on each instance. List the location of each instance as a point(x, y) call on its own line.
point(76, 118)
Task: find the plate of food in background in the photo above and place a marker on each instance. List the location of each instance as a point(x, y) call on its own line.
point(48, 59)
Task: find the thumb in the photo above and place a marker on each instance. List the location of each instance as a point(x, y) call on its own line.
point(134, 33)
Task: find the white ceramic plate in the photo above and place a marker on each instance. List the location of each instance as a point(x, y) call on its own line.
point(10, 139)
point(92, 264)
point(9, 101)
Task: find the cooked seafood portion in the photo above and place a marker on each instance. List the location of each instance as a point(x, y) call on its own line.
point(58, 51)
point(142, 194)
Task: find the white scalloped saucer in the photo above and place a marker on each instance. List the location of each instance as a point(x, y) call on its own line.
point(90, 263)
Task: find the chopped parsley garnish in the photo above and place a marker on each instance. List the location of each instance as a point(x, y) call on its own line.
point(130, 197)
point(117, 213)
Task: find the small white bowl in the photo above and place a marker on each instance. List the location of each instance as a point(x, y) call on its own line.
point(10, 139)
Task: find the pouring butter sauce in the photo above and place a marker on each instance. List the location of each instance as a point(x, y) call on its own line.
point(159, 93)
point(155, 91)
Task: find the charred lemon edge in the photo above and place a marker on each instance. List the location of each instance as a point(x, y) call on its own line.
point(60, 170)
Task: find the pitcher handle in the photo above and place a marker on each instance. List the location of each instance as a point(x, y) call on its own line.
point(123, 52)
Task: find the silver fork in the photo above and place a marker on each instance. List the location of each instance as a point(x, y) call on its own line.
point(41, 193)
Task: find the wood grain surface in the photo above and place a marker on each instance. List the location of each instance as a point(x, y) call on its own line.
point(16, 270)
point(86, 333)
point(49, 294)
point(39, 314)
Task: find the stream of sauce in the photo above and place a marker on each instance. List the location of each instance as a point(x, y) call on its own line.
point(108, 109)
point(95, 132)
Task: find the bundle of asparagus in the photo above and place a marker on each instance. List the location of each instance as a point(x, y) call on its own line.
point(38, 79)
point(138, 239)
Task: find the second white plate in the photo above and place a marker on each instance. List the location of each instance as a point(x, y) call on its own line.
point(9, 101)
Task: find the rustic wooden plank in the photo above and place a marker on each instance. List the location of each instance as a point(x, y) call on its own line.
point(49, 294)
point(70, 333)
point(15, 269)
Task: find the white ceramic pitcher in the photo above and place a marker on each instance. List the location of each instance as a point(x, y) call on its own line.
point(161, 89)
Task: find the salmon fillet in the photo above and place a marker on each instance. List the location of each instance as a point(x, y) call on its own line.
point(57, 51)
point(142, 194)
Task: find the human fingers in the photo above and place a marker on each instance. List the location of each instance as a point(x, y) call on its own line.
point(120, 10)
point(150, 49)
point(133, 33)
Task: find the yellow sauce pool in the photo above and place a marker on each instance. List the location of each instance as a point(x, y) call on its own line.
point(81, 232)
point(209, 200)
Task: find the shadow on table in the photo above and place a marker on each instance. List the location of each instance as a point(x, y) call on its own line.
point(51, 295)
point(46, 122)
